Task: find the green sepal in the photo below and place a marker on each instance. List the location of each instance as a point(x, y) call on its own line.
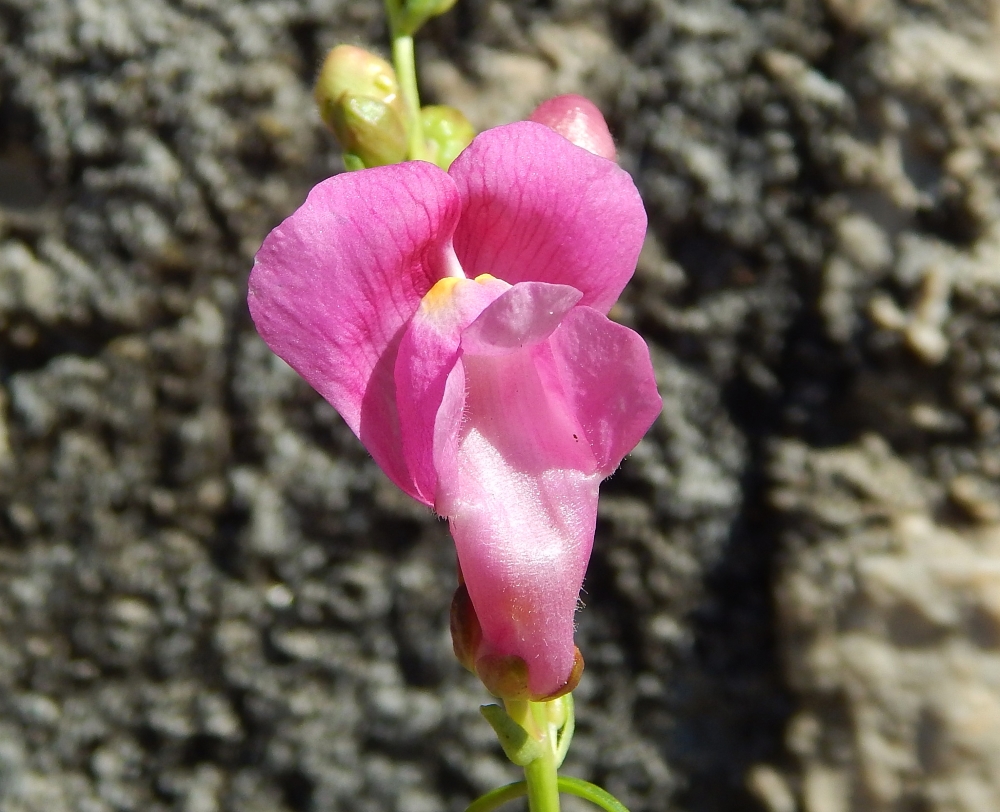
point(563, 718)
point(517, 745)
point(352, 163)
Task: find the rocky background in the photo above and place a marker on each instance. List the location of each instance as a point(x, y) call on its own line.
point(212, 601)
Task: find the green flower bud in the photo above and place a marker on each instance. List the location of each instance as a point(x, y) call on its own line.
point(370, 129)
point(414, 13)
point(446, 132)
point(427, 8)
point(359, 99)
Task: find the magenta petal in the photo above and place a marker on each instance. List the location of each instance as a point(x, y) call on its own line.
point(537, 208)
point(333, 285)
point(427, 355)
point(607, 379)
point(522, 505)
point(521, 317)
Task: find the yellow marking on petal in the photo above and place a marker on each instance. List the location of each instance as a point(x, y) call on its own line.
point(444, 290)
point(440, 295)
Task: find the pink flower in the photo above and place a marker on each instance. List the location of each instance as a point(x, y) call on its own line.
point(457, 321)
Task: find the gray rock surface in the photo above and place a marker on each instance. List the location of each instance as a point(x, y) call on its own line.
point(892, 615)
point(211, 599)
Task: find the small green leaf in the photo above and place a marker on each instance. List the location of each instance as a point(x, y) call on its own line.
point(517, 745)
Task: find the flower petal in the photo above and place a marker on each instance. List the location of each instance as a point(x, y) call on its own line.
point(428, 352)
point(606, 378)
point(537, 208)
point(333, 285)
point(522, 505)
point(521, 317)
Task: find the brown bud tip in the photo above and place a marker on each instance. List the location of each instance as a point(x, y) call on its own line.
point(466, 633)
point(505, 676)
point(572, 681)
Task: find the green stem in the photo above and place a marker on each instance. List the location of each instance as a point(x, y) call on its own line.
point(570, 786)
point(406, 73)
point(543, 784)
point(540, 775)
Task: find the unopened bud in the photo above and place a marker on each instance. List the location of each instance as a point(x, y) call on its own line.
point(414, 13)
point(359, 99)
point(371, 130)
point(578, 120)
point(428, 8)
point(447, 132)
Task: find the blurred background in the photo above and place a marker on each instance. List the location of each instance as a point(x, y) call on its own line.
point(211, 600)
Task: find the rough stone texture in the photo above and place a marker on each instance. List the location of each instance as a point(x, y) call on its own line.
point(886, 591)
point(210, 598)
point(893, 623)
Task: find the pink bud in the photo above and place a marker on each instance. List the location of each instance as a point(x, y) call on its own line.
point(578, 120)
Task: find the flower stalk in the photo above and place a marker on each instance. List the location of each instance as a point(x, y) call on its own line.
point(541, 721)
point(404, 61)
point(536, 736)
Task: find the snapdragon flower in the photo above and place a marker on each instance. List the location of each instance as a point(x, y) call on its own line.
point(458, 323)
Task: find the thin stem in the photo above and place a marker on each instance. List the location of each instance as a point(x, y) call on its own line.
point(540, 775)
point(406, 73)
point(571, 786)
point(590, 792)
point(494, 798)
point(543, 784)
point(405, 64)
